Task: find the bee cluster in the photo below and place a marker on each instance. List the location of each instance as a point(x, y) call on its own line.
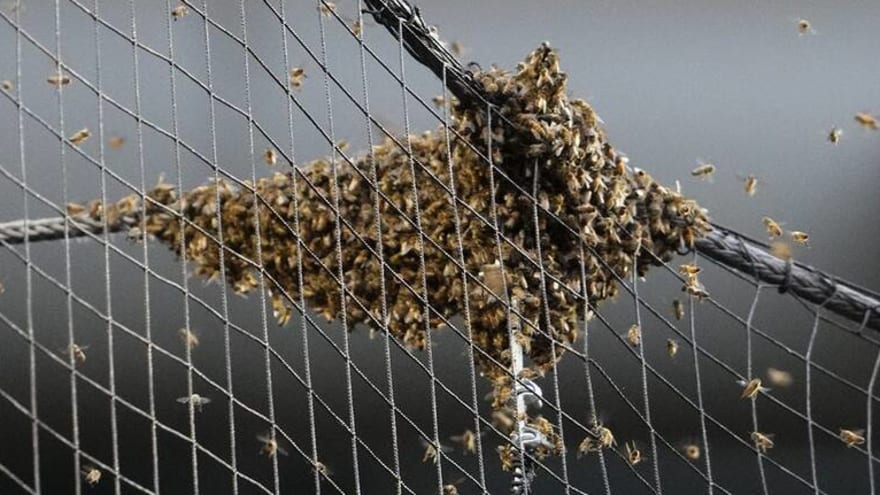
point(587, 194)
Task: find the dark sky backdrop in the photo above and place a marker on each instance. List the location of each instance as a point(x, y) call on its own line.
point(729, 82)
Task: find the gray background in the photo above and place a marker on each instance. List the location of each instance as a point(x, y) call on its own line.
point(728, 82)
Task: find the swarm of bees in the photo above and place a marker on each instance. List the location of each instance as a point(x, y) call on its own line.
point(618, 211)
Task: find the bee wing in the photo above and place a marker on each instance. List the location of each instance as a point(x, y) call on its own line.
point(264, 438)
point(184, 400)
point(281, 450)
point(205, 400)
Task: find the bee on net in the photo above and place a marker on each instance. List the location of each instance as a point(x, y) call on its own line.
point(327, 8)
point(433, 452)
point(196, 400)
point(762, 441)
point(322, 469)
point(270, 446)
point(852, 437)
point(604, 435)
point(751, 388)
point(634, 335)
point(80, 136)
point(78, 352)
point(704, 170)
point(59, 79)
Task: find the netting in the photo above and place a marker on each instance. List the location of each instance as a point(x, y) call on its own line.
point(304, 248)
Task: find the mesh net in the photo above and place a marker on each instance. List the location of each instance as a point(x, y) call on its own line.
point(266, 278)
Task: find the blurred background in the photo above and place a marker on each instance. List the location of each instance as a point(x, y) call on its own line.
point(731, 83)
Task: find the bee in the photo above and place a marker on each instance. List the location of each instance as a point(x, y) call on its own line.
point(297, 75)
point(689, 270)
point(92, 475)
point(587, 445)
point(852, 437)
point(74, 209)
point(678, 309)
point(763, 441)
point(327, 8)
point(867, 121)
point(779, 378)
point(692, 451)
point(773, 228)
point(116, 142)
point(322, 469)
point(188, 337)
point(804, 27)
point(179, 12)
point(695, 289)
point(6, 85)
point(835, 134)
point(799, 237)
point(432, 452)
point(781, 250)
point(456, 48)
point(78, 352)
point(452, 488)
point(507, 457)
point(59, 79)
point(751, 388)
point(468, 441)
point(671, 347)
point(605, 436)
point(634, 335)
point(633, 454)
point(270, 446)
point(195, 399)
point(751, 185)
point(704, 170)
point(439, 101)
point(80, 136)
point(270, 157)
point(342, 145)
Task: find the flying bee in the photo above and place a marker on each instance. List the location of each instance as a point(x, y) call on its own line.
point(195, 399)
point(439, 101)
point(704, 170)
point(468, 440)
point(678, 309)
point(804, 27)
point(634, 335)
point(633, 454)
point(781, 250)
point(179, 12)
point(692, 451)
point(835, 134)
point(762, 441)
point(456, 48)
point(92, 475)
point(779, 378)
point(452, 488)
point(6, 85)
point(327, 8)
point(867, 121)
point(432, 452)
point(80, 136)
point(799, 237)
point(270, 157)
point(852, 437)
point(751, 388)
point(59, 79)
point(78, 352)
point(671, 348)
point(751, 185)
point(773, 228)
point(189, 338)
point(270, 446)
point(297, 77)
point(116, 142)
